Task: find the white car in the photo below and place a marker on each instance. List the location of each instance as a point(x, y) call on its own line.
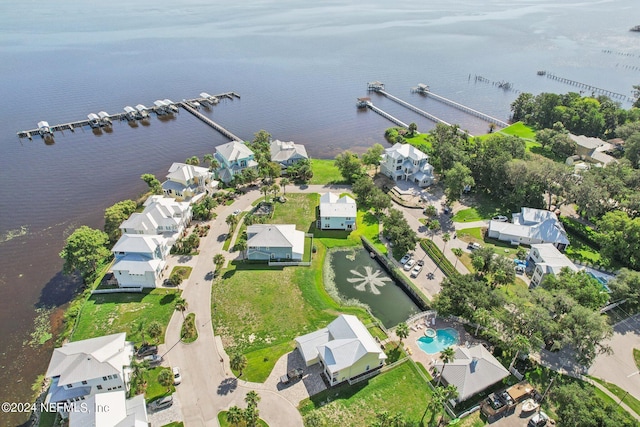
point(405, 258)
point(236, 212)
point(409, 264)
point(177, 378)
point(416, 270)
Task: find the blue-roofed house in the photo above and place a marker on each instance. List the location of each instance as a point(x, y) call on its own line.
point(345, 349)
point(233, 157)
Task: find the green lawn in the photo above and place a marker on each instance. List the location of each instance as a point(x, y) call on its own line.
point(475, 235)
point(174, 424)
point(222, 419)
point(421, 141)
point(475, 232)
point(300, 209)
point(521, 130)
point(106, 314)
point(484, 208)
point(631, 401)
point(154, 390)
point(47, 419)
point(325, 172)
point(227, 241)
point(185, 270)
point(581, 251)
point(400, 389)
point(189, 332)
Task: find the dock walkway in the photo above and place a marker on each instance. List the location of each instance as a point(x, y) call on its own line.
point(209, 122)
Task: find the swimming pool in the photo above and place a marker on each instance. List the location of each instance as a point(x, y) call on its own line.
point(444, 338)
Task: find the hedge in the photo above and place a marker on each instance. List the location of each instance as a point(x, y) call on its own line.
point(438, 257)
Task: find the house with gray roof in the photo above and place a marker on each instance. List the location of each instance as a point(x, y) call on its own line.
point(406, 162)
point(233, 157)
point(161, 216)
point(122, 412)
point(139, 260)
point(337, 213)
point(530, 226)
point(472, 370)
point(188, 182)
point(345, 349)
point(548, 260)
point(593, 149)
point(83, 368)
point(287, 153)
point(276, 242)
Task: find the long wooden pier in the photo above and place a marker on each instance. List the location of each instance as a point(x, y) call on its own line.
point(379, 88)
point(424, 90)
point(209, 122)
point(593, 89)
point(141, 112)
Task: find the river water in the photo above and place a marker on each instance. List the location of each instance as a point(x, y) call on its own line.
point(299, 68)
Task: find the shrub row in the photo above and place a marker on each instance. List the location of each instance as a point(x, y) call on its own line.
point(438, 257)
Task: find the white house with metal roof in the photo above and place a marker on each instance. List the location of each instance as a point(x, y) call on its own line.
point(233, 157)
point(530, 226)
point(139, 260)
point(161, 215)
point(406, 162)
point(337, 213)
point(93, 366)
point(185, 182)
point(548, 260)
point(287, 153)
point(274, 242)
point(111, 409)
point(472, 370)
point(345, 349)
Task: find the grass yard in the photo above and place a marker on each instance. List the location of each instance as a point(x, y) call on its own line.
point(400, 389)
point(521, 130)
point(484, 208)
point(174, 424)
point(189, 332)
point(621, 394)
point(475, 235)
point(183, 270)
point(154, 390)
point(222, 419)
point(300, 209)
point(579, 250)
point(475, 232)
point(325, 172)
point(105, 314)
point(421, 141)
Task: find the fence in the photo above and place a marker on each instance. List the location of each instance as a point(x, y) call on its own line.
point(116, 290)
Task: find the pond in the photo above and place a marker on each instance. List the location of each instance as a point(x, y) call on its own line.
point(354, 275)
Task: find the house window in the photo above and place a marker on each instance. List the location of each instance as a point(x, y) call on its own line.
point(69, 385)
point(399, 168)
point(104, 378)
point(99, 387)
point(84, 383)
point(273, 256)
point(399, 161)
point(288, 256)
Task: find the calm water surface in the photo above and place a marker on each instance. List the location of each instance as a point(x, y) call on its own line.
point(299, 68)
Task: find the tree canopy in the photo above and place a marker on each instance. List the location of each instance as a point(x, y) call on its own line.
point(350, 166)
point(85, 249)
point(115, 215)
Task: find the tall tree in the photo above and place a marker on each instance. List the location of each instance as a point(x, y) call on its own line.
point(84, 250)
point(373, 155)
point(154, 185)
point(238, 362)
point(456, 181)
point(165, 378)
point(413, 128)
point(181, 306)
point(458, 253)
point(520, 344)
point(218, 261)
point(349, 165)
point(115, 215)
point(235, 415)
point(265, 189)
point(446, 356)
point(194, 161)
point(232, 221)
point(402, 331)
point(154, 330)
point(283, 183)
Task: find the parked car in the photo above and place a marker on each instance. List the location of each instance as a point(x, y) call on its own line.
point(538, 420)
point(409, 264)
point(162, 403)
point(147, 350)
point(291, 376)
point(473, 246)
point(153, 359)
point(405, 258)
point(177, 378)
point(236, 212)
point(416, 270)
point(500, 218)
point(420, 262)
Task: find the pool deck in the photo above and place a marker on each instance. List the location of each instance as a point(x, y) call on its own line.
point(416, 330)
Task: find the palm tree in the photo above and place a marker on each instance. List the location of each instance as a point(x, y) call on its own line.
point(139, 328)
point(252, 398)
point(402, 331)
point(520, 344)
point(214, 165)
point(283, 183)
point(275, 189)
point(181, 305)
point(445, 238)
point(241, 246)
point(235, 415)
point(265, 189)
point(458, 253)
point(481, 316)
point(433, 226)
point(165, 378)
point(231, 221)
point(238, 362)
point(446, 356)
point(138, 370)
point(218, 261)
point(208, 158)
point(154, 330)
point(448, 393)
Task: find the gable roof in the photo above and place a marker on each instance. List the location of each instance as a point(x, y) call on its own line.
point(332, 206)
point(185, 172)
point(529, 216)
point(405, 151)
point(552, 260)
point(586, 141)
point(282, 151)
point(122, 412)
point(137, 264)
point(234, 150)
point(472, 370)
point(275, 236)
point(92, 358)
point(138, 243)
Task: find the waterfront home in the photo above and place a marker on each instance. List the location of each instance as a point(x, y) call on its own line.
point(593, 149)
point(337, 213)
point(139, 260)
point(122, 412)
point(530, 226)
point(278, 242)
point(473, 370)
point(405, 162)
point(93, 366)
point(548, 260)
point(287, 153)
point(345, 349)
point(188, 182)
point(161, 215)
point(233, 157)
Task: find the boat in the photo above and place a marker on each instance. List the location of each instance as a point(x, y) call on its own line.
point(636, 28)
point(529, 405)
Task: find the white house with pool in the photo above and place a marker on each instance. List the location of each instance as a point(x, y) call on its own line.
point(345, 349)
